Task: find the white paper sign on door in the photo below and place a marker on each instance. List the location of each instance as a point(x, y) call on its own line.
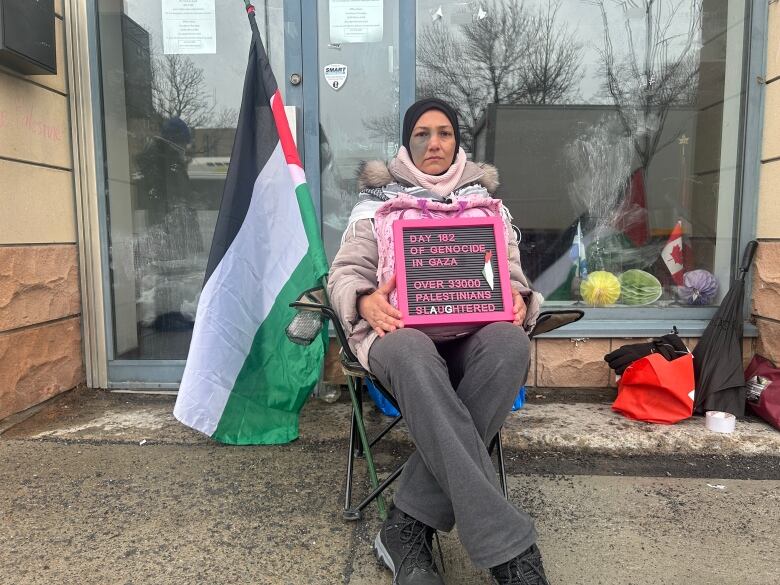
point(356, 21)
point(189, 27)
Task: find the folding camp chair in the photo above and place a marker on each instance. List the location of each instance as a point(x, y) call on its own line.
point(313, 313)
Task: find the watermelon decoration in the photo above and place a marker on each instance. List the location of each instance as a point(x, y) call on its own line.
point(638, 287)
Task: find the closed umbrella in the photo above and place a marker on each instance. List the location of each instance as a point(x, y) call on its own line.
point(717, 359)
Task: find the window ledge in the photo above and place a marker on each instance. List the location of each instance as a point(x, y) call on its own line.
point(620, 328)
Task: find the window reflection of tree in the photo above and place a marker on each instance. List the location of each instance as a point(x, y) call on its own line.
point(169, 247)
point(660, 69)
point(179, 91)
point(508, 54)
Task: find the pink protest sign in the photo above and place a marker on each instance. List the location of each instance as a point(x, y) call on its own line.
point(451, 271)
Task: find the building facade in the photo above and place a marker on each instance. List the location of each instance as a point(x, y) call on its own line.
point(625, 123)
point(40, 294)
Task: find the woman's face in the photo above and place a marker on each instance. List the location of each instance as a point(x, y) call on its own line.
point(432, 143)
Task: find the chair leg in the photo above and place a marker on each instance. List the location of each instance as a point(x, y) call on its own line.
point(377, 492)
point(385, 430)
point(501, 467)
point(357, 409)
point(350, 462)
point(359, 395)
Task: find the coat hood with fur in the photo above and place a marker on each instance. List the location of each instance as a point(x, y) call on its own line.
point(376, 173)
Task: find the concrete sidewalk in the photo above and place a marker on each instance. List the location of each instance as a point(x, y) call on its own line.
point(551, 423)
point(109, 488)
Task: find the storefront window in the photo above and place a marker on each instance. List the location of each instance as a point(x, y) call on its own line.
point(171, 87)
point(615, 128)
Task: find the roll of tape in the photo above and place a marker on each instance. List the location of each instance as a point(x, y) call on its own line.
point(720, 422)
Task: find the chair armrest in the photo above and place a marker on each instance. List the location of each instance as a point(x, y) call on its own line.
point(315, 307)
point(310, 304)
point(551, 320)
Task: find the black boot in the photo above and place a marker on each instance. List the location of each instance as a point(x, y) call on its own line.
point(404, 546)
point(525, 569)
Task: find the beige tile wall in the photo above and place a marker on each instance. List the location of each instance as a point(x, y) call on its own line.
point(37, 204)
point(768, 225)
point(34, 123)
point(766, 273)
point(40, 301)
point(771, 147)
point(773, 49)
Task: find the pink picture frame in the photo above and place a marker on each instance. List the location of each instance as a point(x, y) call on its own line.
point(436, 255)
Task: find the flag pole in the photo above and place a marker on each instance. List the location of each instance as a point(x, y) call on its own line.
point(250, 12)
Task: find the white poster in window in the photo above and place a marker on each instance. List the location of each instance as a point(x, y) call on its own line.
point(356, 21)
point(189, 27)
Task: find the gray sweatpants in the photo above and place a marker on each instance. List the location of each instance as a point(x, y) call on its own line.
point(454, 397)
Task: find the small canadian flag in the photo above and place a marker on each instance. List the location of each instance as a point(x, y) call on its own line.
point(672, 253)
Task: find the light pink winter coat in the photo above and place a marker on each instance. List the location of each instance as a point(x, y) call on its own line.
point(353, 271)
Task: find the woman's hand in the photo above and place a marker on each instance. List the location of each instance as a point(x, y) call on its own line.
point(519, 308)
point(379, 313)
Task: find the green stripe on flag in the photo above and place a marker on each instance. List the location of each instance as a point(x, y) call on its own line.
point(309, 217)
point(278, 375)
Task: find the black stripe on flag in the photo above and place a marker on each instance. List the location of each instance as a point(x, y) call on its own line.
point(256, 138)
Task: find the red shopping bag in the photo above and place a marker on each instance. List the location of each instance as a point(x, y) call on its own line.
point(768, 405)
point(655, 390)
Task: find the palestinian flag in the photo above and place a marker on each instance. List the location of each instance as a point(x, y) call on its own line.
point(244, 381)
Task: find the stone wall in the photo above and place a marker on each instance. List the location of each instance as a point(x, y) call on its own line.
point(40, 303)
point(766, 273)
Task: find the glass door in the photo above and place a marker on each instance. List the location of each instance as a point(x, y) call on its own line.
point(358, 88)
point(172, 75)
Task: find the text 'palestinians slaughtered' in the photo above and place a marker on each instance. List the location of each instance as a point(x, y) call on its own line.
point(452, 271)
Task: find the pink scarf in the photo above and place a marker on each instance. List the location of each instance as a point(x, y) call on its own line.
point(441, 185)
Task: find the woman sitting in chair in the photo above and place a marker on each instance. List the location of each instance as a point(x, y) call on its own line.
point(455, 385)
